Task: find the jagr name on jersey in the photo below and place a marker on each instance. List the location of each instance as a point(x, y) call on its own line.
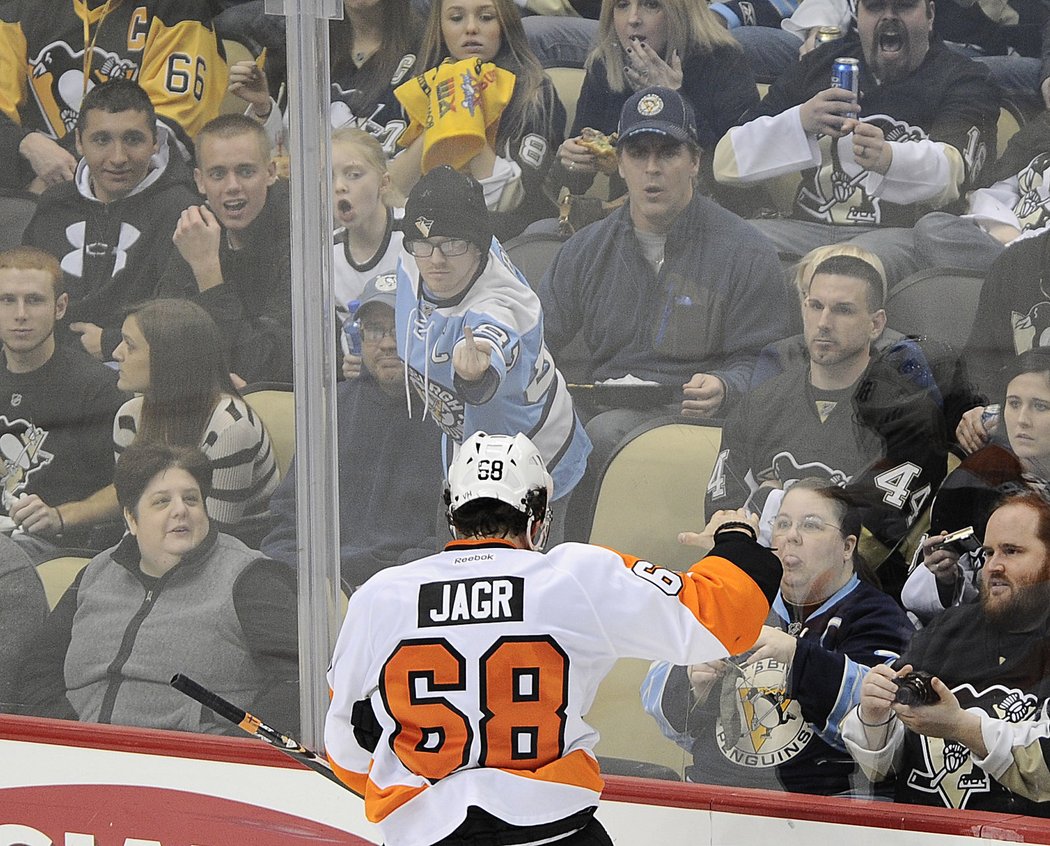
point(497, 599)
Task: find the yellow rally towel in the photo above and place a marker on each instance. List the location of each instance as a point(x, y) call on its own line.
point(457, 106)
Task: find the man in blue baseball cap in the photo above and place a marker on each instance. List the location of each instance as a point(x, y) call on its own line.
point(390, 471)
point(671, 288)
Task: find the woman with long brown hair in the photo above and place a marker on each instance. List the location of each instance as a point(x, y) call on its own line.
point(373, 50)
point(171, 355)
point(531, 126)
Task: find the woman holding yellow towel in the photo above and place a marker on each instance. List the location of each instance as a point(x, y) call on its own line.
point(482, 103)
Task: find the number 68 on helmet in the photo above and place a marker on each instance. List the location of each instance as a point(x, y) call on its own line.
point(505, 468)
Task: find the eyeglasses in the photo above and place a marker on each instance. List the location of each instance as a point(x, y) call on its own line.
point(808, 525)
point(449, 249)
point(375, 332)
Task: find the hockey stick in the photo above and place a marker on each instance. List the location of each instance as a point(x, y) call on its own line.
point(254, 726)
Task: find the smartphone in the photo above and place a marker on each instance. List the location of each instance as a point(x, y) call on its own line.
point(961, 541)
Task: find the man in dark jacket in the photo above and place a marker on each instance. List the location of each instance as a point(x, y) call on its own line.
point(974, 736)
point(234, 251)
point(111, 226)
point(380, 520)
point(869, 164)
point(57, 406)
point(671, 288)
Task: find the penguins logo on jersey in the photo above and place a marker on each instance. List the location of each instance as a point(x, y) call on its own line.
point(759, 724)
point(784, 468)
point(1031, 329)
point(948, 771)
point(83, 254)
point(1033, 205)
point(22, 455)
point(443, 405)
point(836, 192)
point(56, 78)
point(344, 102)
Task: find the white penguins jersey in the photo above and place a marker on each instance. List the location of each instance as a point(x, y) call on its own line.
point(530, 394)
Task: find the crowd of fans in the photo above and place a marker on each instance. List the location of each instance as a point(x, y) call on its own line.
point(153, 283)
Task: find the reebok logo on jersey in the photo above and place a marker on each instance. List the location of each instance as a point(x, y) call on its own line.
point(491, 600)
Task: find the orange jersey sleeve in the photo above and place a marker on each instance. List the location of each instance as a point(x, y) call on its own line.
point(723, 598)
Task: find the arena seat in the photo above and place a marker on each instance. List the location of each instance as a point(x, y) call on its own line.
point(275, 404)
point(532, 254)
point(628, 734)
point(939, 303)
point(57, 575)
point(652, 489)
point(567, 82)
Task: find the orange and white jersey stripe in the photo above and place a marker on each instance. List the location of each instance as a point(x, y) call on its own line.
point(480, 662)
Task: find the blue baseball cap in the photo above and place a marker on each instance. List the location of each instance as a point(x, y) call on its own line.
point(662, 111)
point(379, 289)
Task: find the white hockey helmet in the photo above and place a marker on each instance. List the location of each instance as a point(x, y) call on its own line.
point(505, 468)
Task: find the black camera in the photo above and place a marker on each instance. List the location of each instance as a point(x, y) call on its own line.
point(916, 688)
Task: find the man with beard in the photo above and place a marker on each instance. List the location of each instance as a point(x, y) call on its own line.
point(844, 415)
point(982, 741)
point(915, 141)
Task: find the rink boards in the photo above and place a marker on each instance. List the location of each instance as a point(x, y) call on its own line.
point(66, 784)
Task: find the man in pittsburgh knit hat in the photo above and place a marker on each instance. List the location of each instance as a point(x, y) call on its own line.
point(470, 331)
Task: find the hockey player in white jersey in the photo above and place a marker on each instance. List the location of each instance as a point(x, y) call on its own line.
point(460, 681)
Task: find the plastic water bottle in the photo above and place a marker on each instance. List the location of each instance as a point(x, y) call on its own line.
point(351, 329)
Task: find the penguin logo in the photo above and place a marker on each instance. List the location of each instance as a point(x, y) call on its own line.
point(946, 769)
point(56, 78)
point(785, 468)
point(423, 224)
point(1032, 329)
point(21, 455)
point(1033, 204)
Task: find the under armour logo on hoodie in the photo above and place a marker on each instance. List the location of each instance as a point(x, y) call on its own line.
point(73, 262)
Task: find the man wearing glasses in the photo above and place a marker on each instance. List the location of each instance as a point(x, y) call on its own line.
point(470, 331)
point(770, 718)
point(389, 475)
point(844, 415)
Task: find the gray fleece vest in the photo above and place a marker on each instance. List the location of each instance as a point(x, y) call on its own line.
point(127, 641)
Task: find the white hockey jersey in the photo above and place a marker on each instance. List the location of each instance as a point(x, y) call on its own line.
point(480, 662)
point(530, 397)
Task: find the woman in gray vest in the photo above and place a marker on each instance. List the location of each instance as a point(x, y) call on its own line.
point(174, 596)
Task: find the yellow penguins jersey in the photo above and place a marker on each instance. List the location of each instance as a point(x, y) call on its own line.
point(480, 662)
point(53, 51)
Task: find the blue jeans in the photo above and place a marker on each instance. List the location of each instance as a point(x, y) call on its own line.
point(769, 51)
point(1016, 76)
point(560, 42)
